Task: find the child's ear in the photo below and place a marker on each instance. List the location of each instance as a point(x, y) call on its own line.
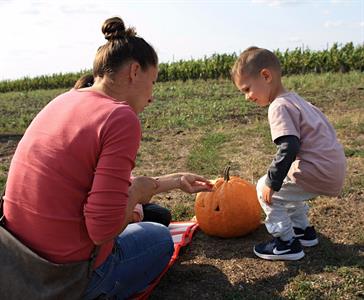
point(266, 74)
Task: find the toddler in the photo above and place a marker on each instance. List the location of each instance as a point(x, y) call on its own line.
point(309, 159)
point(151, 212)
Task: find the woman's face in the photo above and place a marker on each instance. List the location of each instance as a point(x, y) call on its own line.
point(143, 88)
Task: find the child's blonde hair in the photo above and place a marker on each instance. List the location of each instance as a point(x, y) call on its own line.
point(252, 60)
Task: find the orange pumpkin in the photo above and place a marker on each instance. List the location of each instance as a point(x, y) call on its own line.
point(230, 210)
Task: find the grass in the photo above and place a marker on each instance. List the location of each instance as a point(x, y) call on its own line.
point(201, 126)
point(17, 109)
point(205, 154)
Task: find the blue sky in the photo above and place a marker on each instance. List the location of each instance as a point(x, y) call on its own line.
point(45, 37)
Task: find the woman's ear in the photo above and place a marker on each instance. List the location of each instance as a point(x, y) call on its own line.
point(266, 75)
point(134, 70)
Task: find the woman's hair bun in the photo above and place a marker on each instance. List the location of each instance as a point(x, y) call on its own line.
point(114, 28)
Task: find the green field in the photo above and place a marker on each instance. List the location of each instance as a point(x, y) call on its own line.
point(338, 58)
point(203, 125)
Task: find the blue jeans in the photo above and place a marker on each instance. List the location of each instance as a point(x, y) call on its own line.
point(140, 254)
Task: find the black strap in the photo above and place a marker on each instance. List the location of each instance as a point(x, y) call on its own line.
point(2, 207)
point(92, 260)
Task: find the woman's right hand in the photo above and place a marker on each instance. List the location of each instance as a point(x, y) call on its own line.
point(193, 183)
point(142, 189)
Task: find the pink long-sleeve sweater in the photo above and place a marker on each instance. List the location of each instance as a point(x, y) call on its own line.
point(69, 177)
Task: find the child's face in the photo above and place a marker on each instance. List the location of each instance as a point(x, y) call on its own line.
point(256, 89)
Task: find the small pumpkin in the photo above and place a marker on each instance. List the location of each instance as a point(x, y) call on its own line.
point(230, 210)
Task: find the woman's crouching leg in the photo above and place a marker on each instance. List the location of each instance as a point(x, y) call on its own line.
point(140, 254)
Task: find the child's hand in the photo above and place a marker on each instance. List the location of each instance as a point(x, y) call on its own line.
point(267, 194)
point(138, 213)
point(135, 218)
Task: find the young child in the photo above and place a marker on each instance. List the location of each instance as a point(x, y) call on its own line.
point(309, 160)
point(151, 212)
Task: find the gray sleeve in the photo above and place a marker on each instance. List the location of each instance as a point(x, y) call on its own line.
point(288, 147)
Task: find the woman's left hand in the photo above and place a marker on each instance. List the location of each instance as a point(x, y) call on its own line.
point(142, 189)
point(192, 183)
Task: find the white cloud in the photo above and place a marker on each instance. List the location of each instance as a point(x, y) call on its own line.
point(275, 2)
point(4, 2)
point(339, 1)
point(31, 11)
point(339, 23)
point(331, 24)
point(82, 9)
point(295, 39)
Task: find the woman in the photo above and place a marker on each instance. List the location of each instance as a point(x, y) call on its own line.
point(69, 185)
point(149, 212)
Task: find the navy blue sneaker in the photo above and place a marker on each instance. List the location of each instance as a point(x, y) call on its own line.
point(277, 249)
point(307, 237)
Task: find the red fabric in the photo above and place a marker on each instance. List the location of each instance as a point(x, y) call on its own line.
point(184, 232)
point(69, 177)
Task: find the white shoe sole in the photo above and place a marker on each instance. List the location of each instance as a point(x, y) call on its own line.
point(309, 243)
point(293, 256)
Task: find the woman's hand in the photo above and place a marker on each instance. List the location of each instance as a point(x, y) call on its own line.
point(192, 183)
point(142, 189)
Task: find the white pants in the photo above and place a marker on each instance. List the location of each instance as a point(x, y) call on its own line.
point(287, 209)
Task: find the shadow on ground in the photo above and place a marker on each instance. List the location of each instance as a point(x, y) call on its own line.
point(213, 268)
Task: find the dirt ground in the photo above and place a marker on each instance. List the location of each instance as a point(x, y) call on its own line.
point(215, 268)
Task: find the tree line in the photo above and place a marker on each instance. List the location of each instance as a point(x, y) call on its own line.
point(338, 58)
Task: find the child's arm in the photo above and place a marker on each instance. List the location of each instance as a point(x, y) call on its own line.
point(288, 148)
point(138, 214)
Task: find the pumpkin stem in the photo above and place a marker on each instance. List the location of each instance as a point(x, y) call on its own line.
point(226, 173)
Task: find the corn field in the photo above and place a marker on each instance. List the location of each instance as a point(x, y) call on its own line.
point(338, 58)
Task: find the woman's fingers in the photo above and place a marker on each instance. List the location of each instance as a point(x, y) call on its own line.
point(192, 183)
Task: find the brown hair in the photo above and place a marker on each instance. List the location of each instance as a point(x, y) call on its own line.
point(86, 80)
point(252, 60)
point(123, 45)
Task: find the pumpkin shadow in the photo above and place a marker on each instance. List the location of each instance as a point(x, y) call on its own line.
point(190, 280)
point(227, 248)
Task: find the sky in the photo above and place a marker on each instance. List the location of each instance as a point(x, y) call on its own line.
point(46, 37)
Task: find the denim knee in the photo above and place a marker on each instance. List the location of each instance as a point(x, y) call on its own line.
point(140, 254)
point(160, 234)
